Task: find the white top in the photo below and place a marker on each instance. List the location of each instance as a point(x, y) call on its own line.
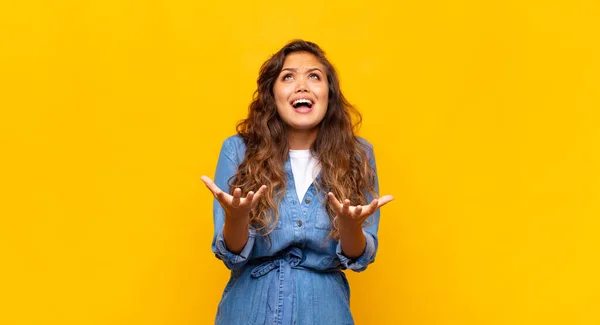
point(305, 168)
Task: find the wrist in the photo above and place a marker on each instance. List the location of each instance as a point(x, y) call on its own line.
point(349, 226)
point(237, 221)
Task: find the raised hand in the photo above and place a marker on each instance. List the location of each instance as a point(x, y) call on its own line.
point(235, 206)
point(349, 215)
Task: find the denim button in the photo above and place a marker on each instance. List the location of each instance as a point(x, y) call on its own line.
point(299, 223)
point(307, 200)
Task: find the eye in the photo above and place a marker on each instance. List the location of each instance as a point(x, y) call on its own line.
point(287, 76)
point(314, 76)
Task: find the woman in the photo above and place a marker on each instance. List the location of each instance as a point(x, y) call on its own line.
point(280, 226)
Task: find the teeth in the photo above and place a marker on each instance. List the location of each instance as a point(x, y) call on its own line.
point(303, 100)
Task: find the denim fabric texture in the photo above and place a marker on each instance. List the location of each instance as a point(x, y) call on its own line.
point(295, 277)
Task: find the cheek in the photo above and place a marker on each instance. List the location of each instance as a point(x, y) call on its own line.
point(281, 93)
point(323, 89)
point(324, 94)
point(276, 93)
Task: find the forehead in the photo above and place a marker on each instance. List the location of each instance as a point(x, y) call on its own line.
point(302, 61)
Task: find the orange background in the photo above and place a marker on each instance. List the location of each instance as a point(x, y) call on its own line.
point(484, 116)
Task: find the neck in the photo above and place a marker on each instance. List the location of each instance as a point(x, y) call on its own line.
point(301, 139)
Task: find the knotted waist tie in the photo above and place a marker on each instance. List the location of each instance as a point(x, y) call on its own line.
point(281, 290)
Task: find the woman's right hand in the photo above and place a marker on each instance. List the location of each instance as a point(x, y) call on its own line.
point(236, 207)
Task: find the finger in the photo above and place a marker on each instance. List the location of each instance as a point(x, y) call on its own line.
point(210, 185)
point(237, 195)
point(384, 200)
point(357, 212)
point(216, 191)
point(333, 199)
point(221, 196)
point(258, 194)
point(247, 200)
point(346, 207)
point(369, 209)
point(336, 204)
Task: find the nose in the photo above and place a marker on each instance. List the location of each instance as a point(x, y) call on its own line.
point(301, 85)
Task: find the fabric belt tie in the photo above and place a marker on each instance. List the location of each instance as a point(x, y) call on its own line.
point(281, 290)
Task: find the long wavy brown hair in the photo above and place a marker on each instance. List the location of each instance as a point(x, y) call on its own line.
point(344, 158)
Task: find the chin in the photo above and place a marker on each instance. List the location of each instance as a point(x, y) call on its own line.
point(303, 127)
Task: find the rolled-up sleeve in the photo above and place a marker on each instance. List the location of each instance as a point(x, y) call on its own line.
point(370, 227)
point(231, 260)
point(226, 168)
point(360, 264)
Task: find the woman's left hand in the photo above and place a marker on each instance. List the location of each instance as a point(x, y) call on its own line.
point(349, 215)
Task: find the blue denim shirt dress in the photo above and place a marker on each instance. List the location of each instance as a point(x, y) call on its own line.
point(295, 277)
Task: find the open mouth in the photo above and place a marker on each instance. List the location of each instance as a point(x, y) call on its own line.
point(299, 103)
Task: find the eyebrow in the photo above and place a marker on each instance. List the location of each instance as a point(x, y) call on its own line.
point(294, 69)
